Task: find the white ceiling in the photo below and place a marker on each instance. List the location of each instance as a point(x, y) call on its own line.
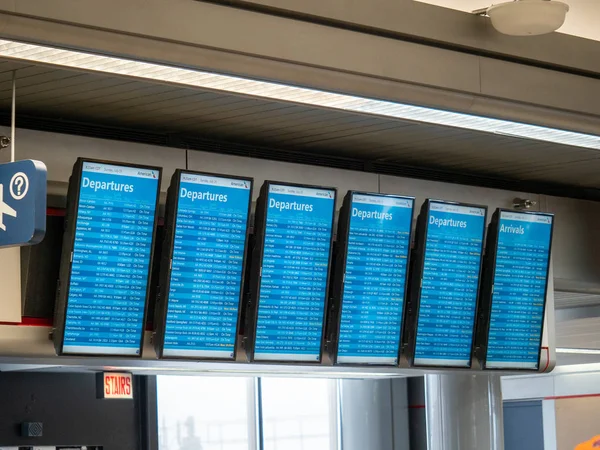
point(583, 19)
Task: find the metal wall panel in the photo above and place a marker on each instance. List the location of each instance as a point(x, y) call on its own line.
point(367, 415)
point(67, 406)
point(422, 189)
point(60, 151)
point(565, 381)
point(400, 414)
point(527, 387)
point(10, 275)
point(263, 170)
point(549, 424)
point(576, 242)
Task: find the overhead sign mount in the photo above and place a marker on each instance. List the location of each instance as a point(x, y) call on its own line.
point(22, 203)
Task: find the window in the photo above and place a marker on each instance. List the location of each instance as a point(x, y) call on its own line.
point(298, 414)
point(210, 413)
point(204, 413)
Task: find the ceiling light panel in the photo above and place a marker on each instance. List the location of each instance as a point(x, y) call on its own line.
point(38, 54)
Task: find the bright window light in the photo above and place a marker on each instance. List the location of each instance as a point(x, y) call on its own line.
point(39, 54)
point(298, 414)
point(203, 413)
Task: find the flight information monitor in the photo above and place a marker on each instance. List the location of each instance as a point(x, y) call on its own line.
point(371, 271)
point(294, 227)
point(107, 256)
point(451, 245)
point(203, 265)
point(516, 279)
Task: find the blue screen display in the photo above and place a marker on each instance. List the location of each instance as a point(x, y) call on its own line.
point(453, 249)
point(207, 263)
point(518, 297)
point(110, 261)
point(295, 269)
point(374, 280)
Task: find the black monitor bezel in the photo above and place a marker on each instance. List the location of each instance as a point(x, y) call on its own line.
point(339, 270)
point(415, 289)
point(64, 282)
point(486, 291)
point(162, 303)
point(256, 272)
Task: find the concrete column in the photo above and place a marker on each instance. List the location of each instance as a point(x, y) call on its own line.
point(463, 412)
point(374, 414)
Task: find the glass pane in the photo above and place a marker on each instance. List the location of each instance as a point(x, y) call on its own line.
point(297, 415)
point(202, 413)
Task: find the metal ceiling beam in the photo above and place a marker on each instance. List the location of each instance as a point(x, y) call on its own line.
point(442, 27)
point(227, 40)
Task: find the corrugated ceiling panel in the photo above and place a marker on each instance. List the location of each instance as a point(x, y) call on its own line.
point(47, 93)
point(108, 96)
point(581, 333)
point(247, 115)
point(574, 299)
point(9, 65)
point(264, 127)
point(187, 103)
point(348, 130)
point(28, 76)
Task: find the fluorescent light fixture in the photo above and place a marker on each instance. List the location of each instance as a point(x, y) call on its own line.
point(579, 351)
point(70, 59)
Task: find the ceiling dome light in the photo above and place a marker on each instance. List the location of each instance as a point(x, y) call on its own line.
point(528, 17)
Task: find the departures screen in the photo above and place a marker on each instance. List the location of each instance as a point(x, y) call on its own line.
point(450, 283)
point(519, 292)
point(374, 279)
point(111, 256)
point(207, 264)
point(295, 268)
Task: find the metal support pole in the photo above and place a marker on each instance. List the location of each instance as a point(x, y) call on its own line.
point(464, 412)
point(367, 414)
point(13, 115)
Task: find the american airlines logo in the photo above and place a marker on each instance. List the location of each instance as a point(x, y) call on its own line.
point(144, 173)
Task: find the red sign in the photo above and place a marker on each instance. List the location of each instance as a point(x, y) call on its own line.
point(114, 385)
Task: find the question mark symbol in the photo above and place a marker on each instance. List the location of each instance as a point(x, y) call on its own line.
point(19, 181)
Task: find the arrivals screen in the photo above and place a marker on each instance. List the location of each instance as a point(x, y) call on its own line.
point(449, 289)
point(295, 267)
point(207, 264)
point(519, 293)
point(110, 260)
point(375, 279)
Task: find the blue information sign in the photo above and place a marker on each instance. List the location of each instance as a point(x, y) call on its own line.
point(374, 279)
point(107, 293)
point(295, 268)
point(22, 203)
point(207, 265)
point(450, 283)
point(519, 290)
